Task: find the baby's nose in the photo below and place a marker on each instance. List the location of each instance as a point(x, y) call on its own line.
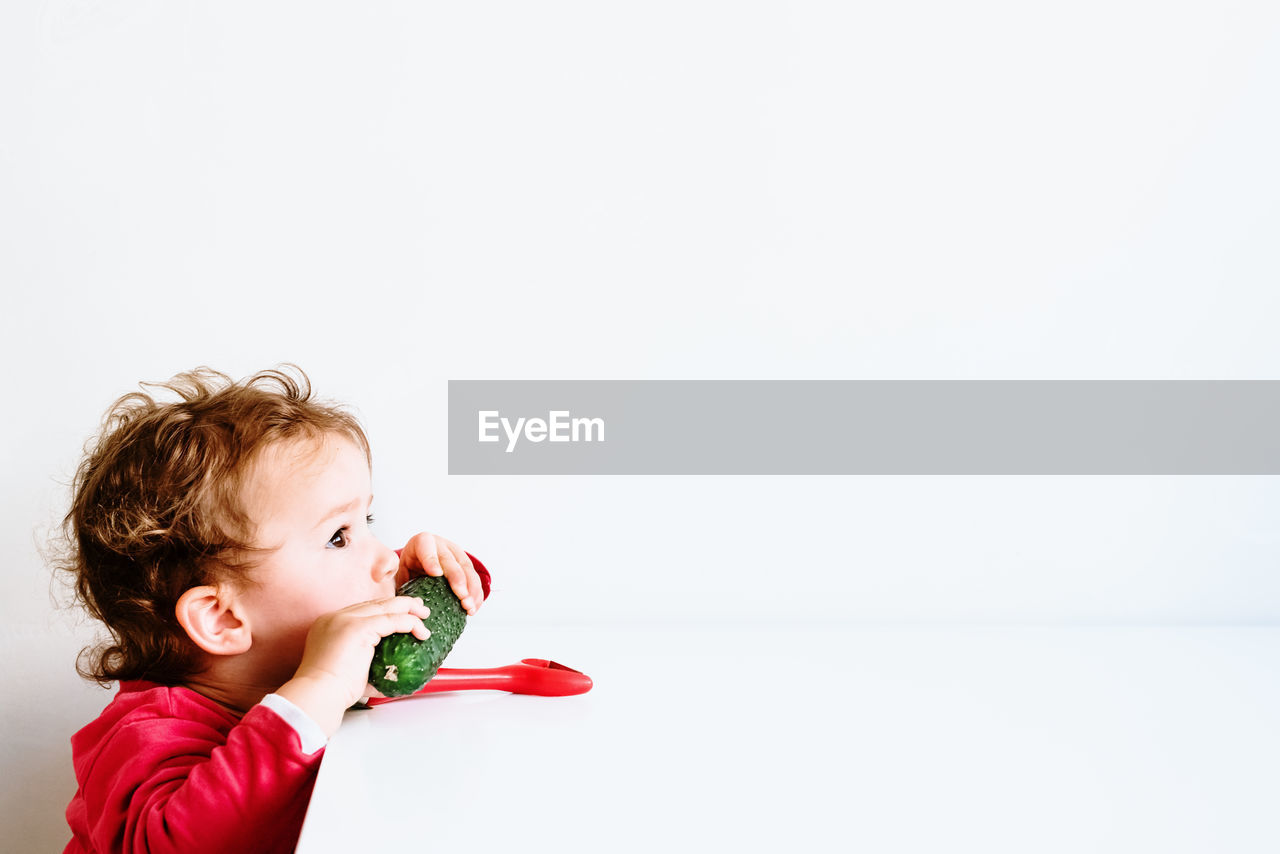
point(388, 563)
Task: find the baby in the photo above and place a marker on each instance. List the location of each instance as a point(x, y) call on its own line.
point(224, 540)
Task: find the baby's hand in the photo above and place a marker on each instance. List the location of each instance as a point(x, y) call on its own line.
point(334, 672)
point(434, 555)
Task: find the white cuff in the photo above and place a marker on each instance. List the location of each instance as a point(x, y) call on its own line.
point(309, 732)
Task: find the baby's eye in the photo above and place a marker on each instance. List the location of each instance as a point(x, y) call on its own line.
point(340, 539)
point(368, 520)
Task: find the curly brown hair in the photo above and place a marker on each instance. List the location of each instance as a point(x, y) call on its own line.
point(156, 507)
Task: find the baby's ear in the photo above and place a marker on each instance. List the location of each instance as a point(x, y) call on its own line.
point(208, 616)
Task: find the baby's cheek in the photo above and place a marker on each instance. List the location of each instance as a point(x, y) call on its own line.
point(300, 622)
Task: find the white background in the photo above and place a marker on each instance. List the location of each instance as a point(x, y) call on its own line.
point(393, 195)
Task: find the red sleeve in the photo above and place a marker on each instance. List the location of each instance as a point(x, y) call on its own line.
point(185, 785)
point(480, 571)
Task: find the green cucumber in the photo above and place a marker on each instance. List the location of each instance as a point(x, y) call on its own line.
point(402, 664)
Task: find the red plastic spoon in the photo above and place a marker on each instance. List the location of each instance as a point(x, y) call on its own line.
point(531, 676)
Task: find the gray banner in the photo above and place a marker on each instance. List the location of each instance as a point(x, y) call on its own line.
point(864, 427)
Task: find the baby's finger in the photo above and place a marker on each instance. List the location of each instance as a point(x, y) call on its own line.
point(471, 592)
point(391, 606)
point(429, 551)
point(477, 589)
point(389, 624)
point(369, 607)
point(474, 589)
point(417, 607)
point(456, 574)
point(475, 592)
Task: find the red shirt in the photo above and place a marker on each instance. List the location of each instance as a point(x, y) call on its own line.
point(164, 768)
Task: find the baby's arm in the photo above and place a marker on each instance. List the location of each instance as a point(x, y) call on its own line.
point(195, 780)
point(192, 785)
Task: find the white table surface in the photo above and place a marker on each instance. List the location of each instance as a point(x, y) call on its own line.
point(783, 738)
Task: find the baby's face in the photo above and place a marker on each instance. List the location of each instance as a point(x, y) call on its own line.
point(310, 500)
